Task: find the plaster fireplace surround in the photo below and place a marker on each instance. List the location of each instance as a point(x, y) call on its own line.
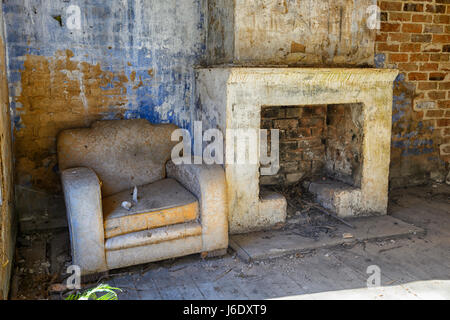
point(269, 54)
point(232, 98)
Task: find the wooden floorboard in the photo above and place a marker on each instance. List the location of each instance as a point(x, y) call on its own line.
point(402, 261)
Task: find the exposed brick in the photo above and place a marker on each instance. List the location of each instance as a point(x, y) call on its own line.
point(413, 7)
point(417, 76)
point(399, 16)
point(398, 57)
point(444, 104)
point(437, 76)
point(412, 28)
point(434, 113)
point(429, 67)
point(439, 57)
point(441, 38)
point(422, 18)
point(421, 38)
point(437, 95)
point(443, 123)
point(408, 67)
point(427, 85)
point(390, 27)
point(400, 37)
point(285, 124)
point(381, 37)
point(410, 47)
point(388, 47)
point(433, 28)
point(444, 85)
point(390, 6)
point(444, 18)
point(424, 57)
point(435, 8)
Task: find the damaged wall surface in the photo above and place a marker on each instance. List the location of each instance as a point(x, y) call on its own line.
point(290, 32)
point(7, 221)
point(128, 59)
point(415, 38)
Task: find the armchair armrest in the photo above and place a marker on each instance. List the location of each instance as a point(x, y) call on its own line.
point(85, 218)
point(207, 183)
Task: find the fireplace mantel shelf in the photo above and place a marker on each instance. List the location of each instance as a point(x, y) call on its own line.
point(308, 75)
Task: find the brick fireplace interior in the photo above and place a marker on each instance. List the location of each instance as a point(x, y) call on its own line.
point(316, 142)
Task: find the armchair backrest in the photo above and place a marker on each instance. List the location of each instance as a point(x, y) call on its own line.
point(123, 153)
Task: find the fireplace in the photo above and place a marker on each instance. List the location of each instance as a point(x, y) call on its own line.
point(335, 123)
point(316, 142)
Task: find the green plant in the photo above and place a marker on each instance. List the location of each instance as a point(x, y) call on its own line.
point(92, 294)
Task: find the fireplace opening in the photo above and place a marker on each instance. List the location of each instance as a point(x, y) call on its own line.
point(317, 143)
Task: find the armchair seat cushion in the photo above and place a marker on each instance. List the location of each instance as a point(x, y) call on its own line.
point(160, 204)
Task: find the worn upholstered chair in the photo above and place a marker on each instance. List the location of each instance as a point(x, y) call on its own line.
point(180, 210)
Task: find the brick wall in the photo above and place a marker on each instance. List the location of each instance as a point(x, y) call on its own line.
point(316, 141)
point(415, 38)
point(302, 134)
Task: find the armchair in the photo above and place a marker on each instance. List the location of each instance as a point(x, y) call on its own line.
point(181, 209)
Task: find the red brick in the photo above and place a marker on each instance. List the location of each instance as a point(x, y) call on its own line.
point(444, 85)
point(429, 67)
point(381, 37)
point(412, 28)
point(444, 104)
point(399, 16)
point(427, 85)
point(446, 131)
point(443, 123)
point(285, 124)
point(439, 57)
point(421, 38)
point(435, 9)
point(445, 19)
point(408, 67)
point(441, 38)
point(419, 57)
point(388, 47)
point(437, 76)
point(434, 113)
point(416, 7)
point(437, 95)
point(400, 37)
point(390, 6)
point(390, 27)
point(398, 57)
point(417, 76)
point(410, 47)
point(422, 18)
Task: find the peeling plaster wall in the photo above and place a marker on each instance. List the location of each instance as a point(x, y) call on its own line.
point(7, 221)
point(291, 32)
point(130, 59)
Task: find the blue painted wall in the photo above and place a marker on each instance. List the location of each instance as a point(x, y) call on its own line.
point(167, 37)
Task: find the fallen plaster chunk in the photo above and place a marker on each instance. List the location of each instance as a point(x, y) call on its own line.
point(127, 205)
point(135, 195)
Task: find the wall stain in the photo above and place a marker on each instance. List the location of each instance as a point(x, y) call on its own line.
point(58, 93)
